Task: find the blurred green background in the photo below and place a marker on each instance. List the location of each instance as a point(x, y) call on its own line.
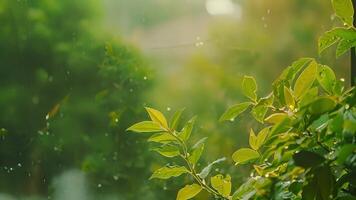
point(76, 74)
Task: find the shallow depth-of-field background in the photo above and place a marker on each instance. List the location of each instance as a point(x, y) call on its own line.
point(75, 74)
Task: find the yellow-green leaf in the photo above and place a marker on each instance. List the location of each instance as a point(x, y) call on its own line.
point(221, 184)
point(253, 140)
point(168, 151)
point(306, 79)
point(157, 116)
point(197, 151)
point(244, 155)
point(322, 105)
point(345, 10)
point(168, 172)
point(326, 40)
point(188, 192)
point(326, 78)
point(343, 46)
point(288, 98)
point(175, 119)
point(187, 130)
point(249, 87)
point(262, 135)
point(162, 138)
point(276, 118)
point(235, 110)
point(145, 127)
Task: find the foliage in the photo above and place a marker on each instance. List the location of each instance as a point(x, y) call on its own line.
point(64, 86)
point(306, 149)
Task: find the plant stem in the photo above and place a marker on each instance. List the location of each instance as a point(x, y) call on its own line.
point(195, 175)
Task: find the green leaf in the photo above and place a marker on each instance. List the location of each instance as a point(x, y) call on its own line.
point(305, 79)
point(157, 116)
point(259, 112)
point(197, 151)
point(168, 172)
point(262, 136)
point(327, 40)
point(344, 152)
point(188, 192)
point(244, 155)
point(162, 138)
point(307, 159)
point(249, 87)
point(322, 105)
point(235, 110)
point(244, 190)
point(309, 97)
point(168, 151)
point(344, 10)
point(276, 118)
point(205, 172)
point(175, 119)
point(290, 72)
point(187, 130)
point(145, 127)
point(288, 98)
point(253, 140)
point(325, 182)
point(343, 46)
point(221, 184)
point(326, 78)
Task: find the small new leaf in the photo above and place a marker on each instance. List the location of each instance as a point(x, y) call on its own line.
point(162, 138)
point(168, 151)
point(276, 118)
point(249, 87)
point(197, 151)
point(326, 78)
point(288, 98)
point(188, 192)
point(221, 184)
point(187, 130)
point(253, 140)
point(262, 136)
point(168, 172)
point(234, 111)
point(175, 119)
point(157, 116)
point(145, 127)
point(205, 172)
point(244, 155)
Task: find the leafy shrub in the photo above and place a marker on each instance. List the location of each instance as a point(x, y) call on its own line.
point(306, 149)
point(64, 85)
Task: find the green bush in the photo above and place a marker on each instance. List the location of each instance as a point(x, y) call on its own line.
point(306, 149)
point(64, 87)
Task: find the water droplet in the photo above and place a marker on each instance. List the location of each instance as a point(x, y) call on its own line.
point(19, 165)
point(265, 25)
point(47, 116)
point(99, 185)
point(268, 11)
point(145, 78)
point(263, 18)
point(232, 119)
point(168, 109)
point(342, 79)
point(115, 177)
